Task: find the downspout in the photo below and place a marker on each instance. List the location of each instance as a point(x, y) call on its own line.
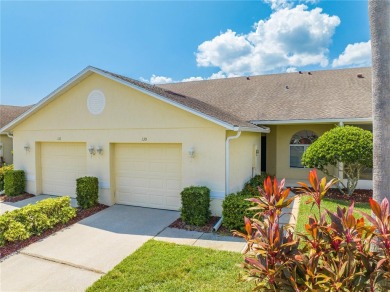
point(10, 135)
point(340, 164)
point(227, 170)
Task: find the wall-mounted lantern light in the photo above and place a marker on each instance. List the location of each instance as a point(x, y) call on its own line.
point(91, 150)
point(27, 148)
point(99, 149)
point(191, 152)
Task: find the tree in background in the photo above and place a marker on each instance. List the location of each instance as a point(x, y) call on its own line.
point(379, 15)
point(349, 145)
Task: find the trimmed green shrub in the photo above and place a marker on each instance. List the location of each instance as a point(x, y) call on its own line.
point(2, 171)
point(14, 182)
point(252, 185)
point(32, 220)
point(87, 191)
point(195, 201)
point(350, 145)
point(234, 208)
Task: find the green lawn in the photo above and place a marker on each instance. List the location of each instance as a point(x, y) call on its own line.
point(330, 204)
point(160, 266)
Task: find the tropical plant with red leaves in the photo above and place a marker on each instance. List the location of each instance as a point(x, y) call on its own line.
point(381, 240)
point(271, 248)
point(317, 189)
point(334, 254)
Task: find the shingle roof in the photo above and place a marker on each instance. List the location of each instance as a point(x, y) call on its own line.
point(190, 102)
point(9, 112)
point(328, 94)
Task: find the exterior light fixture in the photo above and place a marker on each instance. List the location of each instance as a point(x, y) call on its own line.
point(91, 150)
point(191, 152)
point(27, 147)
point(99, 149)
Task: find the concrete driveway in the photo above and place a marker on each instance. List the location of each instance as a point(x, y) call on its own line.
point(74, 258)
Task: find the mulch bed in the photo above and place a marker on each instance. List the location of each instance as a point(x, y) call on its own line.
point(359, 195)
point(16, 246)
point(208, 228)
point(5, 198)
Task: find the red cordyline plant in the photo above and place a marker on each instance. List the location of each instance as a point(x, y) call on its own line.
point(333, 254)
point(270, 248)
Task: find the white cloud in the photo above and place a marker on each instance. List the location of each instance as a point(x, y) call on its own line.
point(278, 4)
point(218, 75)
point(357, 54)
point(163, 79)
point(158, 79)
point(291, 70)
point(291, 37)
point(192, 79)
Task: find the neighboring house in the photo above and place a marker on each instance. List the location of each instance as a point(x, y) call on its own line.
point(7, 114)
point(146, 143)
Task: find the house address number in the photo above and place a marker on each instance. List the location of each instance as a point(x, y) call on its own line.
point(144, 139)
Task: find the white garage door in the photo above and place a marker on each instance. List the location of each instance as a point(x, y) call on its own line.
point(148, 175)
point(62, 164)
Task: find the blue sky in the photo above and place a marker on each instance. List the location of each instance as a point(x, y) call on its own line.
point(44, 43)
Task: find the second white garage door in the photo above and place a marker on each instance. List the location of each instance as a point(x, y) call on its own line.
point(62, 164)
point(148, 175)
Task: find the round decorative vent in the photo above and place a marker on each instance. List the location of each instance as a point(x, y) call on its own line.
point(96, 102)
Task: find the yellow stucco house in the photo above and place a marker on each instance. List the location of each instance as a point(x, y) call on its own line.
point(146, 143)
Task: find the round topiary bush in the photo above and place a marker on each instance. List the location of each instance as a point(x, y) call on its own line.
point(349, 145)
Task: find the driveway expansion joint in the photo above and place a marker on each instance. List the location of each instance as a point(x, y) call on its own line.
point(63, 263)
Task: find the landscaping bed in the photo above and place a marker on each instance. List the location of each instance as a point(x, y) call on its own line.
point(5, 198)
point(81, 214)
point(359, 195)
point(208, 228)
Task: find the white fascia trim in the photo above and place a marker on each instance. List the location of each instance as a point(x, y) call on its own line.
point(313, 121)
point(164, 99)
point(45, 100)
point(254, 130)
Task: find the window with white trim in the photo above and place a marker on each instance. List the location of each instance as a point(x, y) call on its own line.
point(299, 142)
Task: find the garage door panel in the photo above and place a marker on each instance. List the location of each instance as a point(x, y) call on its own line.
point(156, 184)
point(61, 165)
point(174, 185)
point(173, 168)
point(146, 174)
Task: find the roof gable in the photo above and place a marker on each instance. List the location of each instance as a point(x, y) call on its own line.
point(189, 104)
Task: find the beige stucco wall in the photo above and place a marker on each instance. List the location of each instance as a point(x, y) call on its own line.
point(271, 151)
point(244, 163)
point(129, 117)
point(7, 149)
